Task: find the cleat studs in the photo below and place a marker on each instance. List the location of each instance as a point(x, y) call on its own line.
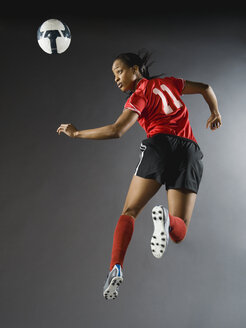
point(160, 218)
point(162, 246)
point(162, 233)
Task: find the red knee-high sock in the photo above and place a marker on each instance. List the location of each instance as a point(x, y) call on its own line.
point(122, 237)
point(177, 229)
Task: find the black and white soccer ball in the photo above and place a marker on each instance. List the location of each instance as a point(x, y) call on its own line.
point(54, 37)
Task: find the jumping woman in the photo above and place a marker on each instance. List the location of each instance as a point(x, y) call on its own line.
point(170, 155)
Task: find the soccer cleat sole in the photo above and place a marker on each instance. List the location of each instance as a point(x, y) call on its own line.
point(159, 239)
point(112, 291)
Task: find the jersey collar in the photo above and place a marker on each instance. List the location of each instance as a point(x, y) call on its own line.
point(140, 82)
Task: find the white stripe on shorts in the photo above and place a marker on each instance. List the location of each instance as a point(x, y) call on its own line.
point(142, 148)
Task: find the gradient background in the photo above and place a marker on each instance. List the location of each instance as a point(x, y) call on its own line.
point(61, 198)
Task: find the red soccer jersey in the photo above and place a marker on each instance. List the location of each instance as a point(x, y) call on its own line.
point(160, 107)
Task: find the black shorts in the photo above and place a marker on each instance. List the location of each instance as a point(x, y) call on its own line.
point(171, 160)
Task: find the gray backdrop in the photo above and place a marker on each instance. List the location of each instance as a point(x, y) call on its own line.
point(61, 198)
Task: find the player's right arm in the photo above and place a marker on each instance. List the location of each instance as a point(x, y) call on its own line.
point(116, 130)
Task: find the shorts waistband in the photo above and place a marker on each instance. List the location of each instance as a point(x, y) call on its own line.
point(174, 136)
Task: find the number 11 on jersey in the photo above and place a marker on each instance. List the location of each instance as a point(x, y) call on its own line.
point(166, 108)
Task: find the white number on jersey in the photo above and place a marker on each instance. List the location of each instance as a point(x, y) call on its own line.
point(166, 108)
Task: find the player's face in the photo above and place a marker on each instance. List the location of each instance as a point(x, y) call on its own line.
point(125, 76)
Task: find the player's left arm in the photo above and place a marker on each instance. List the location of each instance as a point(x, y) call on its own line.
point(124, 122)
point(214, 121)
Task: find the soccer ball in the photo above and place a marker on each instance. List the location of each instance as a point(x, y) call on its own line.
point(54, 36)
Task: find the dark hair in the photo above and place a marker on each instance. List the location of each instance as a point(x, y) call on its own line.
point(141, 59)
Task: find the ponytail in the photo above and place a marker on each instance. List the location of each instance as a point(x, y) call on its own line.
point(141, 59)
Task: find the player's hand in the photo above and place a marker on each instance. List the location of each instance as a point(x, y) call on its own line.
point(68, 129)
point(214, 121)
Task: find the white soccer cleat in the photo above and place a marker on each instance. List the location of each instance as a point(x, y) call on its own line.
point(112, 284)
point(160, 236)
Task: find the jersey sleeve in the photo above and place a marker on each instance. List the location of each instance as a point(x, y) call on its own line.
point(178, 83)
point(136, 102)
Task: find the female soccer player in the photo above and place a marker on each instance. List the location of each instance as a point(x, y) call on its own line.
point(170, 155)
